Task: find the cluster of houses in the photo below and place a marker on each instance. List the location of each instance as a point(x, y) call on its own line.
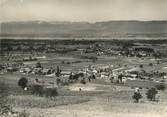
point(137, 50)
point(105, 72)
point(10, 67)
point(120, 74)
point(108, 73)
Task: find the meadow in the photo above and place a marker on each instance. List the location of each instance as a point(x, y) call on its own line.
point(99, 98)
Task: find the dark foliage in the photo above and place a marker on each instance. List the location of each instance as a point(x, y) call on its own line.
point(160, 87)
point(83, 81)
point(51, 92)
point(23, 82)
point(37, 90)
point(151, 93)
point(150, 64)
point(137, 96)
point(141, 66)
point(38, 65)
point(41, 91)
point(58, 73)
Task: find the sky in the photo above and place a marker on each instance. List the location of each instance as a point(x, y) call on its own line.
point(82, 10)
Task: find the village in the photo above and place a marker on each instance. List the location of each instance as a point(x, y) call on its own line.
point(91, 68)
point(83, 58)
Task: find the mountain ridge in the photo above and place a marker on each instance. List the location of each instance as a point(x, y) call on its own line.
point(82, 29)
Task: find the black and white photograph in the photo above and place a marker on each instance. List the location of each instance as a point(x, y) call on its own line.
point(83, 58)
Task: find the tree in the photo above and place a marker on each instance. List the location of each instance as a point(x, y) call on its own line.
point(71, 76)
point(38, 65)
point(58, 81)
point(37, 89)
point(23, 82)
point(58, 71)
point(151, 93)
point(120, 78)
point(51, 92)
point(160, 87)
point(94, 59)
point(150, 64)
point(141, 66)
point(83, 81)
point(137, 96)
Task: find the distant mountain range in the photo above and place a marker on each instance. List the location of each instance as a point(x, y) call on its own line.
point(83, 29)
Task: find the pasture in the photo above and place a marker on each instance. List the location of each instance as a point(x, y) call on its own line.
point(98, 98)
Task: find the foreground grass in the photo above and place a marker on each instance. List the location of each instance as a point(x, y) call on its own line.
point(32, 101)
point(113, 104)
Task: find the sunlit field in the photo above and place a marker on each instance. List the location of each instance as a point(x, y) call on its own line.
point(95, 98)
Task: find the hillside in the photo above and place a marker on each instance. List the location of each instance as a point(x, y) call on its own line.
point(84, 29)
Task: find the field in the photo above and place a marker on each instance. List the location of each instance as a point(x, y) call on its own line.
point(98, 98)
point(95, 100)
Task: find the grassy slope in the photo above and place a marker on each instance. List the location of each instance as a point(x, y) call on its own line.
point(115, 100)
point(116, 103)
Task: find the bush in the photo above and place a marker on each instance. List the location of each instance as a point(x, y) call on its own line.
point(58, 81)
point(23, 82)
point(83, 81)
point(151, 93)
point(51, 92)
point(160, 87)
point(150, 64)
point(41, 91)
point(141, 66)
point(137, 96)
point(37, 90)
point(38, 65)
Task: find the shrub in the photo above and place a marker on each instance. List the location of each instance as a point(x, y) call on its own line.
point(23, 82)
point(160, 87)
point(50, 92)
point(141, 66)
point(150, 64)
point(41, 91)
point(37, 90)
point(58, 81)
point(38, 65)
point(83, 81)
point(151, 93)
point(137, 96)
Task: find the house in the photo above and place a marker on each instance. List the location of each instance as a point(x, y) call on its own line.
point(148, 49)
point(66, 73)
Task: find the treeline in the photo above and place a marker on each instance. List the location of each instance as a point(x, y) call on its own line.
point(66, 45)
point(80, 41)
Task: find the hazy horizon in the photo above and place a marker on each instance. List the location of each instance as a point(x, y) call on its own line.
point(84, 21)
point(83, 10)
